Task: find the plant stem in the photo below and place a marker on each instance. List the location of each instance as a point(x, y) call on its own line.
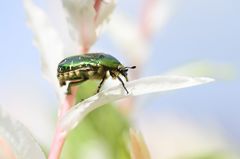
point(144, 21)
point(97, 6)
point(60, 136)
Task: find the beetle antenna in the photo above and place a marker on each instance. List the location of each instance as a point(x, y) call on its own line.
point(132, 67)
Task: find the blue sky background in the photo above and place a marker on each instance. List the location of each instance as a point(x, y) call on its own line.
point(200, 30)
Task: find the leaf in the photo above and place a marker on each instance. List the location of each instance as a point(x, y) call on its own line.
point(18, 139)
point(85, 17)
point(46, 40)
point(138, 87)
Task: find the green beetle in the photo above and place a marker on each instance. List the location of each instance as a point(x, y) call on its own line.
point(79, 68)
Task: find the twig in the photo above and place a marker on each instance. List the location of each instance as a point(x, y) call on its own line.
point(60, 136)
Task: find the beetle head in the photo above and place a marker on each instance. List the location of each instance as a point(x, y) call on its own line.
point(123, 71)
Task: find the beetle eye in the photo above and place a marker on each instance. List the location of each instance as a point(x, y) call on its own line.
point(120, 68)
point(124, 72)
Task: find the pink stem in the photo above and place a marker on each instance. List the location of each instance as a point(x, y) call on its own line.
point(84, 39)
point(59, 137)
point(97, 6)
point(144, 26)
point(84, 29)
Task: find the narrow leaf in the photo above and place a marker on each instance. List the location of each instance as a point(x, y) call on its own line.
point(138, 87)
point(22, 145)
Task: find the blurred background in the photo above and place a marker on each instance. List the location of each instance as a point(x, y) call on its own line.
point(196, 38)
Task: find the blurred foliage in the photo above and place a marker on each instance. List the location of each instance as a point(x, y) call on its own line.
point(139, 148)
point(105, 125)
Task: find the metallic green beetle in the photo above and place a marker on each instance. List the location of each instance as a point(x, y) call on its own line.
point(79, 68)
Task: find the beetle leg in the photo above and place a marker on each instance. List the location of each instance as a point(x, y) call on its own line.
point(100, 85)
point(122, 84)
point(126, 78)
point(72, 84)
